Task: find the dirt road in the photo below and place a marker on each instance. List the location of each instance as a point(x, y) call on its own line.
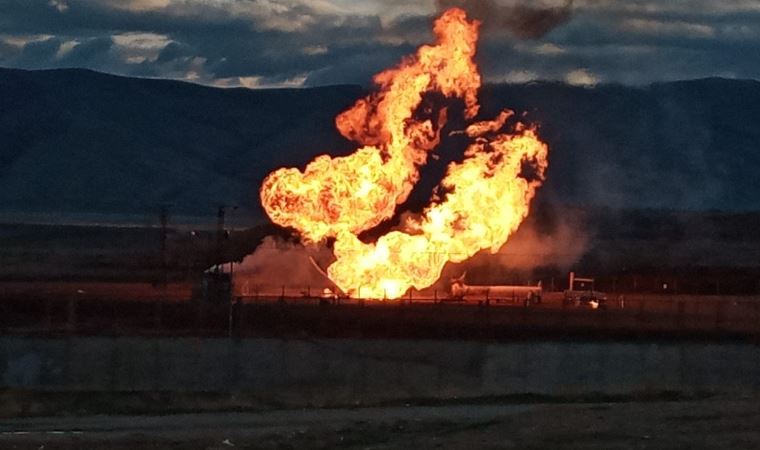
point(705, 424)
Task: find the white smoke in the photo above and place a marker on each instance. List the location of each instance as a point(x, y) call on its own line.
point(277, 264)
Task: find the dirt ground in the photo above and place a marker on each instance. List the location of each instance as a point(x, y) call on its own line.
point(713, 423)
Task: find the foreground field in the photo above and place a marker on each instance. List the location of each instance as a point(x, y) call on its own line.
point(702, 424)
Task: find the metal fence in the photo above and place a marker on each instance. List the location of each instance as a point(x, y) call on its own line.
point(281, 314)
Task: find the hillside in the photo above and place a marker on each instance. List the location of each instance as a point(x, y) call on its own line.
point(75, 141)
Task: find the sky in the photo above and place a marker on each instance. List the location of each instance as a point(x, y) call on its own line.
point(275, 43)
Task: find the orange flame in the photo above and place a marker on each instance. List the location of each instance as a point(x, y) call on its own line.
point(489, 191)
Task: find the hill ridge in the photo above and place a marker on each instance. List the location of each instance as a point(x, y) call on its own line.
point(80, 141)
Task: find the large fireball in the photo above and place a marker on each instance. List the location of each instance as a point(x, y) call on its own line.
point(489, 192)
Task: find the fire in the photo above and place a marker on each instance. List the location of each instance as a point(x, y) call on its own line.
point(489, 191)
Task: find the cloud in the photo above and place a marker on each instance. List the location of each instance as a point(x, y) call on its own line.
point(34, 53)
point(66, 48)
point(524, 20)
point(92, 52)
point(315, 50)
point(549, 48)
point(141, 5)
point(581, 77)
point(60, 5)
point(271, 42)
point(260, 82)
point(660, 28)
point(140, 47)
point(519, 76)
point(8, 50)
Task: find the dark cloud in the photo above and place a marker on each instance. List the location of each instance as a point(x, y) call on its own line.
point(635, 41)
point(524, 20)
point(92, 51)
point(8, 51)
point(36, 53)
point(346, 65)
point(172, 52)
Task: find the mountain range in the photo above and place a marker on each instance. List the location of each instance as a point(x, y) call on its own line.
point(79, 142)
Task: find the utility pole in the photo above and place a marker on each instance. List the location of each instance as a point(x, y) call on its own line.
point(223, 283)
point(221, 234)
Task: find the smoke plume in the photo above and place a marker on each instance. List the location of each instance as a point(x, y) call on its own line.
point(522, 20)
point(561, 246)
point(278, 265)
